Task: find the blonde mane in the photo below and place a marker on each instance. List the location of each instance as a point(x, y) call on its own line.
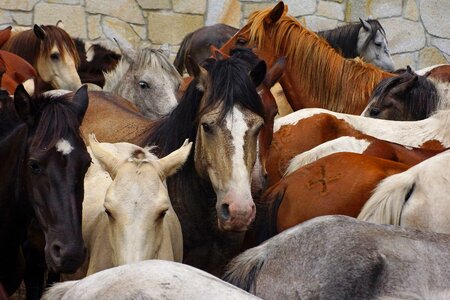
point(333, 81)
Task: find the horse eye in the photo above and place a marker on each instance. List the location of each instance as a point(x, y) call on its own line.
point(108, 213)
point(143, 85)
point(241, 42)
point(206, 127)
point(378, 44)
point(35, 167)
point(55, 56)
point(374, 112)
point(162, 214)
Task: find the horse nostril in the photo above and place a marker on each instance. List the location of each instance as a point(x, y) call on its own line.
point(56, 251)
point(374, 112)
point(225, 211)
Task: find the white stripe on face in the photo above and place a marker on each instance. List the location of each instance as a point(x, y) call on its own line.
point(64, 147)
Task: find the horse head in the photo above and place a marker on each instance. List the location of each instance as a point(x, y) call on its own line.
point(57, 161)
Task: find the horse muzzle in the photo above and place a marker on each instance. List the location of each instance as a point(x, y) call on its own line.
point(64, 258)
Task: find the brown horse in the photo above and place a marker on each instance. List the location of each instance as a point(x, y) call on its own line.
point(17, 71)
point(5, 34)
point(51, 52)
point(316, 75)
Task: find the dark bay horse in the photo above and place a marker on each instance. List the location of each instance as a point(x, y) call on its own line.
point(316, 75)
point(51, 51)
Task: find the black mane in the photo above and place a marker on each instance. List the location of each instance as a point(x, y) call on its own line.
point(345, 38)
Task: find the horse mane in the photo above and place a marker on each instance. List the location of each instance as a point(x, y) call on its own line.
point(317, 62)
point(27, 45)
point(265, 224)
point(386, 203)
point(345, 38)
point(154, 58)
point(180, 59)
point(243, 269)
point(55, 118)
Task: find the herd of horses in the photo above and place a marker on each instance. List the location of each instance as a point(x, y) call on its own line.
point(124, 179)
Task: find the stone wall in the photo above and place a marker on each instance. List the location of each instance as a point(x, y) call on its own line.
point(418, 31)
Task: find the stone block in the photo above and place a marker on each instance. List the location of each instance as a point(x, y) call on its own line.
point(224, 11)
point(435, 17)
point(354, 10)
point(64, 1)
point(315, 23)
point(189, 7)
point(18, 4)
point(441, 44)
point(301, 8)
point(331, 10)
point(124, 10)
point(249, 8)
point(404, 59)
point(22, 18)
point(430, 56)
point(411, 11)
point(73, 17)
point(165, 27)
point(404, 35)
point(155, 4)
point(141, 30)
point(94, 26)
point(384, 8)
point(5, 17)
point(115, 28)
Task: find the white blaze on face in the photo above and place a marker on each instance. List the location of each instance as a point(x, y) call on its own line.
point(240, 181)
point(64, 147)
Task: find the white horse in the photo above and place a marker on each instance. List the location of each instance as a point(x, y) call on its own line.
point(151, 279)
point(146, 78)
point(127, 214)
point(417, 198)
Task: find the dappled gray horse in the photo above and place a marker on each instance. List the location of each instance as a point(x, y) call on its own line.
point(337, 257)
point(146, 78)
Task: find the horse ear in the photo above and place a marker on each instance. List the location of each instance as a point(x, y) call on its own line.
point(175, 160)
point(197, 71)
point(60, 24)
point(365, 25)
point(39, 32)
point(22, 104)
point(275, 72)
point(127, 51)
point(275, 14)
point(109, 162)
point(404, 86)
point(217, 53)
point(258, 73)
point(81, 100)
point(165, 49)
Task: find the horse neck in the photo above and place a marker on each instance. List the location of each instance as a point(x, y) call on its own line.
point(443, 90)
point(320, 77)
point(113, 78)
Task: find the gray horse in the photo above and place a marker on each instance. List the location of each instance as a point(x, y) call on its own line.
point(337, 257)
point(146, 78)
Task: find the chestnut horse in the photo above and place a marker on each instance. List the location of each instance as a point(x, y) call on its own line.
point(51, 52)
point(16, 71)
point(316, 75)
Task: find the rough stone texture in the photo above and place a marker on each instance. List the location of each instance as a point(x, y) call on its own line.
point(140, 30)
point(442, 44)
point(94, 29)
point(171, 28)
point(384, 8)
point(63, 1)
point(5, 17)
point(22, 18)
point(331, 10)
point(299, 8)
point(248, 8)
point(73, 17)
point(319, 23)
point(435, 17)
point(155, 4)
point(126, 10)
point(115, 28)
point(411, 11)
point(404, 35)
point(354, 10)
point(183, 6)
point(223, 11)
point(403, 60)
point(18, 4)
point(430, 56)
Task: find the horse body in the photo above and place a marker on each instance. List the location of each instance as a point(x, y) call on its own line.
point(146, 78)
point(313, 67)
point(51, 52)
point(353, 259)
point(17, 71)
point(127, 212)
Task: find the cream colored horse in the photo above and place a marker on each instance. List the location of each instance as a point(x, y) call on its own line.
point(127, 214)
